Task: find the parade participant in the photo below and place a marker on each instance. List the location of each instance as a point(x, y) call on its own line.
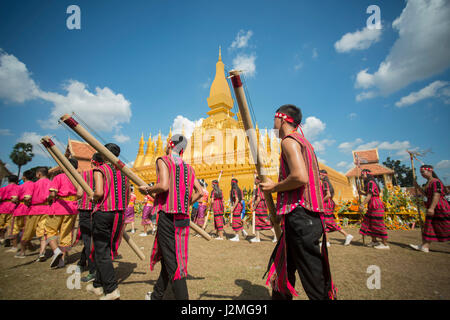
point(176, 189)
point(36, 196)
point(63, 214)
point(203, 204)
point(147, 213)
point(7, 207)
point(373, 221)
point(85, 207)
point(111, 195)
point(328, 217)
point(236, 197)
point(300, 205)
point(20, 213)
point(218, 208)
point(129, 212)
point(437, 220)
point(262, 221)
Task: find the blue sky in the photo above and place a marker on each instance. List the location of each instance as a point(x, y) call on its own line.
point(137, 65)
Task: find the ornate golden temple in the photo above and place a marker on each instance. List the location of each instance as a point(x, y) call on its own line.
point(219, 144)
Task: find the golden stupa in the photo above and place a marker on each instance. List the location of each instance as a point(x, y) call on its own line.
point(219, 144)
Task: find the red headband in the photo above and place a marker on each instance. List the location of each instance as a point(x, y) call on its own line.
point(96, 163)
point(427, 169)
point(172, 145)
point(288, 119)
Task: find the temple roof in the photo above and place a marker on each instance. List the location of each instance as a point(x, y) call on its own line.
point(376, 169)
point(366, 156)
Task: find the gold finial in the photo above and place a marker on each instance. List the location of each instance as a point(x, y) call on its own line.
point(220, 53)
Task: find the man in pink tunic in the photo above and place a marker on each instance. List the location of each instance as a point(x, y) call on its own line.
point(174, 195)
point(62, 217)
point(36, 197)
point(300, 207)
point(20, 213)
point(7, 206)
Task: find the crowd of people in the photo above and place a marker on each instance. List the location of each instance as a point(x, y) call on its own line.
point(46, 210)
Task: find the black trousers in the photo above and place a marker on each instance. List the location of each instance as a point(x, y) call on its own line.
point(303, 231)
point(102, 229)
point(166, 242)
point(85, 225)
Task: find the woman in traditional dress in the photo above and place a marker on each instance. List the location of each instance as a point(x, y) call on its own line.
point(217, 206)
point(373, 222)
point(147, 214)
point(329, 220)
point(437, 220)
point(202, 205)
point(236, 197)
point(129, 212)
point(262, 221)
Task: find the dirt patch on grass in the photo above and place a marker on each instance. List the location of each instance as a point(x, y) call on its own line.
point(234, 270)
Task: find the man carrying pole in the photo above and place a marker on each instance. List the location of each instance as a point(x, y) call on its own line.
point(83, 133)
point(299, 203)
point(176, 189)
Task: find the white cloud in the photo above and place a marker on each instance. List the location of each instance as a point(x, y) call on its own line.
point(207, 83)
point(298, 66)
point(181, 122)
point(352, 116)
point(246, 63)
point(342, 164)
point(241, 40)
point(103, 110)
point(320, 145)
point(432, 90)
point(313, 127)
point(121, 138)
point(443, 164)
point(315, 54)
point(399, 147)
point(365, 95)
point(5, 132)
point(345, 165)
point(321, 160)
point(16, 84)
point(35, 139)
point(349, 146)
point(420, 51)
point(368, 145)
point(358, 40)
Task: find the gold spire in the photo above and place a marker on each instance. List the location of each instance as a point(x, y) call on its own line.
point(220, 99)
point(140, 156)
point(268, 146)
point(149, 153)
point(159, 146)
point(170, 135)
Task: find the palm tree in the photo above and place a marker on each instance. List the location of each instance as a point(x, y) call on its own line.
point(22, 154)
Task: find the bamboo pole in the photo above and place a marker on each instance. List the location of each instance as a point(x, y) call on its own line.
point(254, 148)
point(83, 133)
point(45, 141)
point(74, 175)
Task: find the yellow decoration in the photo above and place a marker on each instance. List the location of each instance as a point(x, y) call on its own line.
point(219, 143)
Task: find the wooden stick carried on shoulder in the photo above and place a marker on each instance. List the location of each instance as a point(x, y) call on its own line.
point(84, 134)
point(253, 142)
point(74, 175)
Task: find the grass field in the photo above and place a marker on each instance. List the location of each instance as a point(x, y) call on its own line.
point(234, 270)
